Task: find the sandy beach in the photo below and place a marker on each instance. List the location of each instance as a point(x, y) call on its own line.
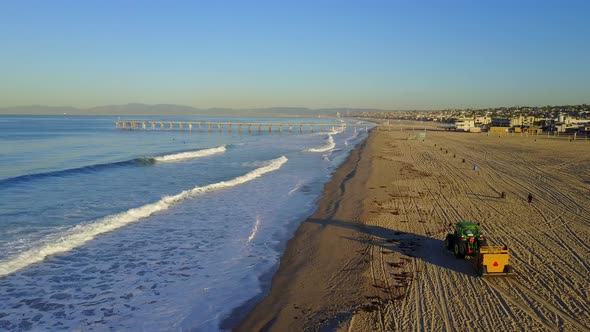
point(371, 257)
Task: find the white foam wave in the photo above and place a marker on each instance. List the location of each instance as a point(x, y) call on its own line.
point(297, 187)
point(330, 143)
point(328, 146)
point(81, 234)
point(254, 230)
point(334, 130)
point(337, 130)
point(191, 154)
point(354, 136)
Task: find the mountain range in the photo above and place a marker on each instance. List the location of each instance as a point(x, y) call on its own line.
point(177, 110)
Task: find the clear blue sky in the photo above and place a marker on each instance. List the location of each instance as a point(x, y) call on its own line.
point(247, 54)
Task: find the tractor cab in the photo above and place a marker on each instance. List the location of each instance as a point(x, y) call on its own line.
point(468, 231)
point(466, 240)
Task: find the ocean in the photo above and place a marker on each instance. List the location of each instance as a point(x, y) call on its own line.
point(106, 229)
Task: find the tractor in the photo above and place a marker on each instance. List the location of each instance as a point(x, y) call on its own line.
point(467, 240)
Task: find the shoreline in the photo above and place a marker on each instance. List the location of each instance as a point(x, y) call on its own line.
point(371, 256)
point(308, 231)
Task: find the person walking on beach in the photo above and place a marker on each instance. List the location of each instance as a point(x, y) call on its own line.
point(530, 198)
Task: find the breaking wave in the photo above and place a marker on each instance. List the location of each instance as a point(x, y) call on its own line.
point(254, 230)
point(337, 130)
point(353, 137)
point(191, 154)
point(133, 162)
point(81, 234)
point(328, 146)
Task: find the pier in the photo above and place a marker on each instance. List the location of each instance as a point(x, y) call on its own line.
point(250, 127)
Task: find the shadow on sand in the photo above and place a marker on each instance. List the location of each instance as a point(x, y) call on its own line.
point(488, 197)
point(427, 249)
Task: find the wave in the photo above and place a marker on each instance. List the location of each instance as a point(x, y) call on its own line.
point(337, 130)
point(254, 230)
point(191, 154)
point(334, 130)
point(81, 234)
point(328, 146)
point(133, 162)
point(354, 136)
point(297, 187)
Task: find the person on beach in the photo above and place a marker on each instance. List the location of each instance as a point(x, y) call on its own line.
point(530, 198)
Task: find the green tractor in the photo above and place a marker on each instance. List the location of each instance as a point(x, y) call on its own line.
point(466, 240)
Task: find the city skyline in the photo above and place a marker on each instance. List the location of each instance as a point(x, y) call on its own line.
point(327, 54)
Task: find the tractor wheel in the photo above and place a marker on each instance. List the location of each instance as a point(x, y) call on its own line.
point(481, 270)
point(483, 243)
point(459, 250)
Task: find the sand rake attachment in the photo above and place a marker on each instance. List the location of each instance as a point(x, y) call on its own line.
point(493, 261)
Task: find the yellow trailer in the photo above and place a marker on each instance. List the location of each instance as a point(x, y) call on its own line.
point(493, 261)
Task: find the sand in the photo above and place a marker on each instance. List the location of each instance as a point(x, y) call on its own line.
point(371, 257)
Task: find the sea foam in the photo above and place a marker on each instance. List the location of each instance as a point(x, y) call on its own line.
point(330, 144)
point(326, 147)
point(191, 154)
point(254, 230)
point(81, 234)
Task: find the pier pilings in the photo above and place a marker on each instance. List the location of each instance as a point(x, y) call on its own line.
point(271, 127)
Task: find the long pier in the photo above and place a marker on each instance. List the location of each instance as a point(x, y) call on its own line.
point(240, 127)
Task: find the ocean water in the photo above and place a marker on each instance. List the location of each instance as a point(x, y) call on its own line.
point(105, 229)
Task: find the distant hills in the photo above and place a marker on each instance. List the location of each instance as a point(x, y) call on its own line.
point(171, 109)
point(38, 109)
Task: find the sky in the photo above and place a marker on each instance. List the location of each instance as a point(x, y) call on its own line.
point(391, 55)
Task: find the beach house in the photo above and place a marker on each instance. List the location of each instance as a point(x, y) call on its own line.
point(464, 124)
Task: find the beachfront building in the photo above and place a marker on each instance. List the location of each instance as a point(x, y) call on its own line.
point(569, 124)
point(499, 129)
point(534, 130)
point(501, 122)
point(464, 124)
point(581, 128)
point(482, 120)
point(524, 121)
point(500, 125)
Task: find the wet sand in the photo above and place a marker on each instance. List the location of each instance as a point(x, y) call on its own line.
point(371, 257)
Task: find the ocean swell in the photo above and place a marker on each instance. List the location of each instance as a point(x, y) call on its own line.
point(133, 162)
point(81, 234)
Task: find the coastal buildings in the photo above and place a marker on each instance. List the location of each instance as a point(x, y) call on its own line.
point(555, 120)
point(464, 124)
point(501, 122)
